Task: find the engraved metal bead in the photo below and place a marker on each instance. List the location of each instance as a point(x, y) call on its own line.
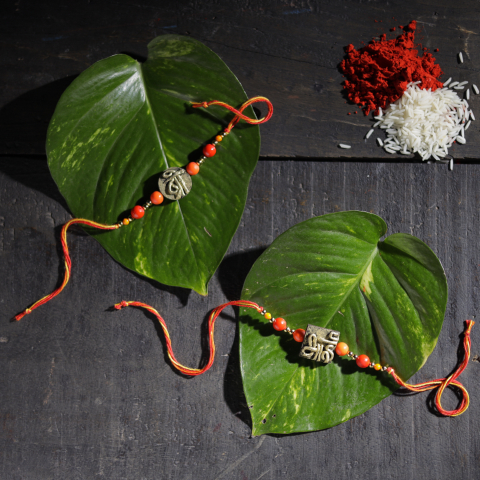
point(272, 320)
point(372, 365)
point(174, 183)
point(319, 344)
point(384, 369)
point(263, 312)
point(287, 329)
point(355, 357)
point(350, 354)
point(200, 162)
point(214, 142)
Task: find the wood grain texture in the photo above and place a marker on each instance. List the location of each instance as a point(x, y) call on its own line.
point(86, 393)
point(287, 51)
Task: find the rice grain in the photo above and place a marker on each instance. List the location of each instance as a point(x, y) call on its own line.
point(425, 122)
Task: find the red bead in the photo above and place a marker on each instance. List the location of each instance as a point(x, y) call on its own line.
point(299, 335)
point(193, 168)
point(156, 198)
point(279, 324)
point(363, 361)
point(341, 349)
point(209, 150)
point(137, 212)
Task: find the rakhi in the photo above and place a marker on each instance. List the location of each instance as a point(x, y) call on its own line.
point(173, 184)
point(321, 344)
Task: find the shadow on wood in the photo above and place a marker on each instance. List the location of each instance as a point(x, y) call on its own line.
point(233, 271)
point(24, 121)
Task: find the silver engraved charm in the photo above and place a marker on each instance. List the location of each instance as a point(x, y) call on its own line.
point(319, 344)
point(174, 183)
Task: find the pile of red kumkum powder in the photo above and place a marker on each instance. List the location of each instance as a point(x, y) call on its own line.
point(378, 74)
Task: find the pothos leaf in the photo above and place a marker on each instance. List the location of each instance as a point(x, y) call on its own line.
point(387, 298)
point(121, 123)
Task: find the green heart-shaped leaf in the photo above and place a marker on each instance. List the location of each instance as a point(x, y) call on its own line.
point(121, 123)
point(387, 299)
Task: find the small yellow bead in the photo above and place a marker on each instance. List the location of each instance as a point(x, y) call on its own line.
point(125, 221)
point(218, 138)
point(268, 316)
point(377, 366)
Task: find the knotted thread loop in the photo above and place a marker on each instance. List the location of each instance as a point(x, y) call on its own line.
point(238, 113)
point(211, 325)
point(443, 383)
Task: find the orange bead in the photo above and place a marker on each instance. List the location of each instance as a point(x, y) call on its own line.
point(209, 150)
point(279, 324)
point(299, 335)
point(268, 316)
point(193, 168)
point(137, 212)
point(363, 361)
point(218, 138)
point(377, 366)
point(341, 349)
point(156, 198)
point(125, 221)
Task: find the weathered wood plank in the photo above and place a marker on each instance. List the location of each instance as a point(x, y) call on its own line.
point(89, 393)
point(287, 51)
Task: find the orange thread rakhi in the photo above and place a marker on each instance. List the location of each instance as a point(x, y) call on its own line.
point(321, 344)
point(174, 184)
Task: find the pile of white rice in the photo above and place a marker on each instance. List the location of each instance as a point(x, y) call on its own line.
point(425, 122)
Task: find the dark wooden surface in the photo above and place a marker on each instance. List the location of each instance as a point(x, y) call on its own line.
point(87, 393)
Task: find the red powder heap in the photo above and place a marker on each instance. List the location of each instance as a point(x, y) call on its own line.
point(379, 73)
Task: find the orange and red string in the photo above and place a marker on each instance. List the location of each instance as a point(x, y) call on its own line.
point(238, 113)
point(443, 383)
point(211, 326)
point(68, 261)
